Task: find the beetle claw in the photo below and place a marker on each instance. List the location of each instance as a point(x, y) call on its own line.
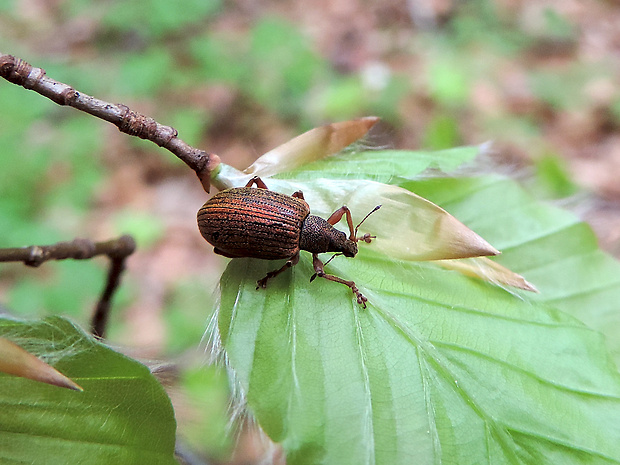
point(361, 299)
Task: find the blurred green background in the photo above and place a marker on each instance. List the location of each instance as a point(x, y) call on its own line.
point(240, 77)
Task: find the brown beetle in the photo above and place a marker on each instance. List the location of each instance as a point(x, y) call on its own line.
point(259, 223)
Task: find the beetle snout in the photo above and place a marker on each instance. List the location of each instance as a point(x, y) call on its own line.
point(349, 249)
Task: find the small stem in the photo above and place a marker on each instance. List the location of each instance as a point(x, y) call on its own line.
point(99, 321)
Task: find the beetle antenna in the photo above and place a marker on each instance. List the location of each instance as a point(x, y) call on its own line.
point(364, 219)
point(333, 256)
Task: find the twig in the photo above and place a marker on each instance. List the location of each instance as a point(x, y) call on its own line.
point(78, 249)
point(81, 249)
point(19, 72)
point(125, 247)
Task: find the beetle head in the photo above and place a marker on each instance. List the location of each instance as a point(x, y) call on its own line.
point(349, 248)
point(338, 242)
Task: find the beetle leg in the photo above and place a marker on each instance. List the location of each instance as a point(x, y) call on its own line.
point(289, 263)
point(344, 210)
point(258, 181)
point(337, 216)
point(320, 272)
point(299, 195)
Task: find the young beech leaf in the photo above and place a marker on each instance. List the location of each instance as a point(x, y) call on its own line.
point(439, 368)
point(436, 369)
point(412, 227)
point(408, 227)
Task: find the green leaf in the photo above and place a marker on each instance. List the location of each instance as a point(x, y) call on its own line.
point(440, 368)
point(551, 247)
point(434, 368)
point(123, 416)
point(386, 166)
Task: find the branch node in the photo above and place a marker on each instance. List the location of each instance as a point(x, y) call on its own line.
point(84, 249)
point(205, 164)
point(125, 246)
point(16, 70)
point(36, 256)
point(66, 97)
point(144, 127)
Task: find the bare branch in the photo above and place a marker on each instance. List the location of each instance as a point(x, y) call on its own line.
point(81, 249)
point(78, 249)
point(19, 72)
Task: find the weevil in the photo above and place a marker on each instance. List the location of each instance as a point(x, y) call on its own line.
point(260, 223)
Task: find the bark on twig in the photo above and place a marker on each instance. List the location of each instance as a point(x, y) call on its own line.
point(81, 249)
point(125, 247)
point(78, 249)
point(19, 72)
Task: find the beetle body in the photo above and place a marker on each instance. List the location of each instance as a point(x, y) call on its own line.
point(259, 223)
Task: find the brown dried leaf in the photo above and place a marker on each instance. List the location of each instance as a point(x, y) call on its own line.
point(16, 361)
point(310, 146)
point(488, 270)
